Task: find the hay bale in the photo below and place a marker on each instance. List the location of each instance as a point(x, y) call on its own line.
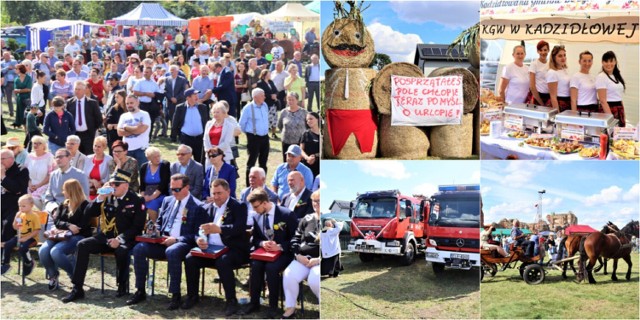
point(358, 85)
point(382, 83)
point(470, 88)
point(453, 141)
point(351, 149)
point(341, 48)
point(402, 142)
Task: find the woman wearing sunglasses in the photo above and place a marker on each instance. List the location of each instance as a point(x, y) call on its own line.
point(219, 169)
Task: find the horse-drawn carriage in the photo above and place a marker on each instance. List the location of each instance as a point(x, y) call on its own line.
point(609, 243)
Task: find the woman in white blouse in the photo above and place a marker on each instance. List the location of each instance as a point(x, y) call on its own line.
point(220, 132)
point(583, 86)
point(514, 85)
point(40, 163)
point(539, 91)
point(558, 80)
point(610, 87)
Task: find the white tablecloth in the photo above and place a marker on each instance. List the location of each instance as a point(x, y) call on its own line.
point(500, 148)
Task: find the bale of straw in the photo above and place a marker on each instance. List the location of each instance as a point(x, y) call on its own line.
point(350, 151)
point(354, 81)
point(453, 141)
point(340, 35)
point(402, 142)
point(470, 88)
point(382, 83)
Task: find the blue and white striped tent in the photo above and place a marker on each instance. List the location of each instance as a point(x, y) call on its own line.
point(150, 14)
point(39, 33)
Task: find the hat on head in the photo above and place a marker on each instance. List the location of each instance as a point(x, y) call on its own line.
point(114, 76)
point(13, 142)
point(79, 57)
point(295, 150)
point(190, 91)
point(134, 55)
point(243, 50)
point(120, 176)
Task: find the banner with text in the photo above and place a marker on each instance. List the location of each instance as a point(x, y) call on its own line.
point(489, 8)
point(426, 101)
point(611, 29)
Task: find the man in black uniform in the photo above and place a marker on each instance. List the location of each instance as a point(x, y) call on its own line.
point(121, 218)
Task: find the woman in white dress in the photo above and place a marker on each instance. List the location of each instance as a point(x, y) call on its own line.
point(514, 84)
point(40, 163)
point(610, 87)
point(583, 86)
point(558, 80)
point(538, 89)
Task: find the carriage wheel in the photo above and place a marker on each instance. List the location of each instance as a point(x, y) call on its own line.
point(522, 266)
point(533, 274)
point(488, 268)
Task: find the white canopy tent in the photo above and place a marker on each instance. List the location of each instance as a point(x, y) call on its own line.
point(245, 18)
point(293, 12)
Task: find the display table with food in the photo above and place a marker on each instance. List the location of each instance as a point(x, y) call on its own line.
point(529, 132)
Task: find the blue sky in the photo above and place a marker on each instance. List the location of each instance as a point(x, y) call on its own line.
point(397, 26)
point(341, 180)
point(595, 191)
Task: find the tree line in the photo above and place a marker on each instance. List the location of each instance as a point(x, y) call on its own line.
point(27, 12)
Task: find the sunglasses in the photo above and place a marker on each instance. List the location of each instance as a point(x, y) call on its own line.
point(316, 201)
point(115, 184)
point(214, 155)
point(176, 190)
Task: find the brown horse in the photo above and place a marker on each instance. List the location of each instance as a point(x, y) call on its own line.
point(611, 243)
point(572, 244)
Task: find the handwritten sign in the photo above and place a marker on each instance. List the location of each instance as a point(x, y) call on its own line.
point(492, 115)
point(625, 133)
point(572, 132)
point(513, 122)
point(426, 101)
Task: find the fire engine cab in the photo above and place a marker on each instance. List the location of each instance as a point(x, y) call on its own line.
point(386, 223)
point(453, 227)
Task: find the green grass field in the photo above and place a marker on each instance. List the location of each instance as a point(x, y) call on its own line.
point(383, 289)
point(507, 296)
point(35, 301)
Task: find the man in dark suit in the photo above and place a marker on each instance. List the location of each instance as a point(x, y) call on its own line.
point(225, 88)
point(15, 181)
point(87, 116)
point(273, 228)
point(189, 122)
point(190, 168)
point(298, 199)
point(227, 227)
point(121, 218)
point(180, 239)
point(175, 86)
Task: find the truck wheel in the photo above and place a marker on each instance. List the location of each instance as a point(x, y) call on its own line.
point(533, 274)
point(366, 257)
point(409, 254)
point(437, 267)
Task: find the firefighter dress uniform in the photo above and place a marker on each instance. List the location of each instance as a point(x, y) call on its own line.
point(119, 218)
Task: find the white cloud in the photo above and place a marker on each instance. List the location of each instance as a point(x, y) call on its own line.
point(399, 46)
point(519, 173)
point(633, 193)
point(550, 203)
point(323, 185)
point(485, 190)
point(425, 189)
point(384, 168)
point(475, 177)
point(607, 195)
point(452, 14)
point(523, 210)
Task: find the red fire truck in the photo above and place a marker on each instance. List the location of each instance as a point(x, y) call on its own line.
point(453, 227)
point(387, 223)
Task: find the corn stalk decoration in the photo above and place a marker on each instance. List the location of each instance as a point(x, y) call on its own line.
point(467, 41)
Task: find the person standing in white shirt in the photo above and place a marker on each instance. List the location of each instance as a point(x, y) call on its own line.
point(134, 126)
point(583, 86)
point(514, 84)
point(610, 87)
point(539, 91)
